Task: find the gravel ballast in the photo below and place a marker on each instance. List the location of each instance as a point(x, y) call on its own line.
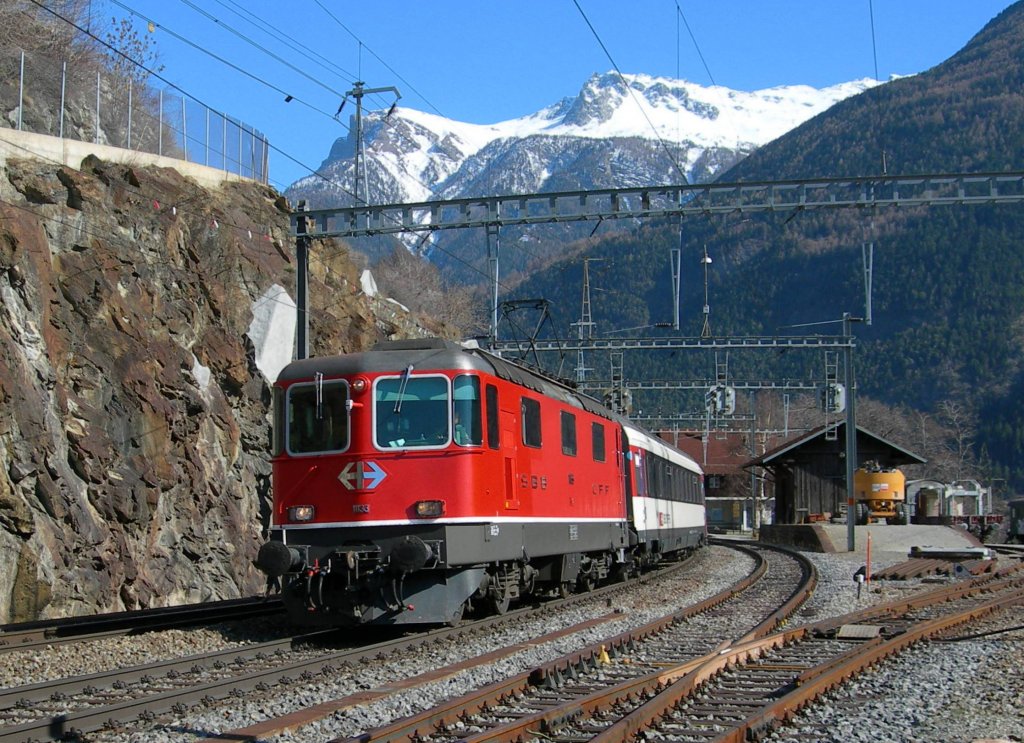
point(951, 691)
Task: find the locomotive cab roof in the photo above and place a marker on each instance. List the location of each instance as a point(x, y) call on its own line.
point(436, 354)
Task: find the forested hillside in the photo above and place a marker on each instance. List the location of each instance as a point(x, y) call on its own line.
point(948, 293)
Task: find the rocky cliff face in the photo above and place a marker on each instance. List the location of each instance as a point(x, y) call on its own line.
point(133, 416)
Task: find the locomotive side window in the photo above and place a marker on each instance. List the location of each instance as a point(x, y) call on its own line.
point(597, 441)
point(410, 412)
point(493, 430)
point(466, 423)
point(568, 434)
point(318, 417)
point(531, 422)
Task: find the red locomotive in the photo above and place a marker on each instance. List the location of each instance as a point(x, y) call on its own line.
point(422, 478)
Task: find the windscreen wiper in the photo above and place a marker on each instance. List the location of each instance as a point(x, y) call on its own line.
point(401, 388)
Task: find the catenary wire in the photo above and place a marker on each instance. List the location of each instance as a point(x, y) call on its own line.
point(377, 57)
point(626, 85)
point(170, 84)
point(198, 48)
point(307, 52)
point(696, 46)
point(387, 122)
point(276, 149)
point(254, 44)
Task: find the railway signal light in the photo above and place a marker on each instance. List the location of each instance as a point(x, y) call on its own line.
point(833, 398)
point(721, 399)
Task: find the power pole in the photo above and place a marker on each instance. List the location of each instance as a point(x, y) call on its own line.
point(302, 241)
point(493, 249)
point(357, 92)
point(706, 330)
point(586, 323)
point(851, 431)
point(677, 270)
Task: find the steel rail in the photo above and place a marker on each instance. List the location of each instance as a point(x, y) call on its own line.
point(302, 717)
point(552, 674)
point(812, 684)
point(78, 722)
point(608, 700)
point(820, 678)
point(651, 683)
point(288, 722)
point(30, 635)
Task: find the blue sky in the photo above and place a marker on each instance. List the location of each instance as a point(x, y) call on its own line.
point(484, 62)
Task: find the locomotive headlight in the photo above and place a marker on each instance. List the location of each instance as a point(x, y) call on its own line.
point(359, 385)
point(301, 513)
point(429, 509)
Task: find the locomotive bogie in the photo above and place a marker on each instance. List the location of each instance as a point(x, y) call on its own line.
point(424, 597)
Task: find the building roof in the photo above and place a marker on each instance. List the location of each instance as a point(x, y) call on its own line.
point(904, 456)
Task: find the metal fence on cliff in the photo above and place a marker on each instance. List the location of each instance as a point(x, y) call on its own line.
point(61, 99)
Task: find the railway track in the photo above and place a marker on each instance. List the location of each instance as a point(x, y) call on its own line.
point(749, 689)
point(71, 708)
point(30, 635)
point(559, 700)
point(626, 666)
point(733, 693)
point(1008, 550)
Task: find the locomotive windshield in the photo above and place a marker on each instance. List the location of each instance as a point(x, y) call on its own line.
point(424, 411)
point(411, 411)
point(318, 417)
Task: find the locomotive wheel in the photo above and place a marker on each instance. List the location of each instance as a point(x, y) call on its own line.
point(585, 582)
point(504, 585)
point(497, 605)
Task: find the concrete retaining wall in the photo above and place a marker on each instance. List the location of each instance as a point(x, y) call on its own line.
point(71, 152)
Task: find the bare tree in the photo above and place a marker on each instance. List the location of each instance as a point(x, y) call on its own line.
point(962, 429)
point(418, 284)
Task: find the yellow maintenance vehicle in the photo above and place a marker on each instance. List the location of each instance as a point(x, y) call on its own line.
point(880, 493)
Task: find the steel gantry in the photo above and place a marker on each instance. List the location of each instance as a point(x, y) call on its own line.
point(666, 201)
point(495, 212)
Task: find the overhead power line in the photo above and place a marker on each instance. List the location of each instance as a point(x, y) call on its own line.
point(632, 93)
point(311, 54)
point(288, 96)
point(175, 86)
point(376, 56)
point(247, 40)
point(696, 46)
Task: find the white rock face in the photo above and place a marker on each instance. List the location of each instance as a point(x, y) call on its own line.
point(272, 331)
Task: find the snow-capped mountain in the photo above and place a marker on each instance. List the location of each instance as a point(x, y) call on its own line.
point(618, 131)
